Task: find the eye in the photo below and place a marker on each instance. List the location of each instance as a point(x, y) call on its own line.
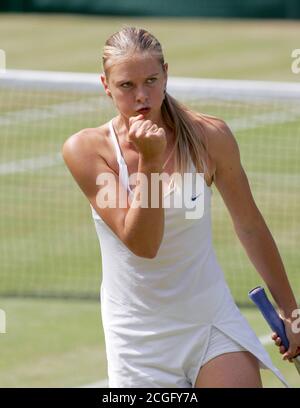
point(151, 80)
point(125, 85)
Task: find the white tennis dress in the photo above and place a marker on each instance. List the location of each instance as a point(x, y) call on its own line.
point(163, 318)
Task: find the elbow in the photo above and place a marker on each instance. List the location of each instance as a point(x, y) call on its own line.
point(142, 250)
point(151, 255)
point(252, 228)
point(142, 246)
point(143, 253)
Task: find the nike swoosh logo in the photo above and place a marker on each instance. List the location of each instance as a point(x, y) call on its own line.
point(194, 198)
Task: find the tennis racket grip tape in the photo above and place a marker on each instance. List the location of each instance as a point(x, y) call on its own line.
point(259, 297)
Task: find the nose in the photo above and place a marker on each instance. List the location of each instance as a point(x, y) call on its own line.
point(141, 95)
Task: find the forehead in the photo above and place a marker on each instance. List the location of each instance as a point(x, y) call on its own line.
point(138, 66)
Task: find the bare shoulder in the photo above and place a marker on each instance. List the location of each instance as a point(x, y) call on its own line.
point(85, 148)
point(218, 135)
point(85, 154)
point(230, 177)
point(85, 141)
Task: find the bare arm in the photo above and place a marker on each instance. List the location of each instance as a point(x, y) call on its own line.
point(249, 224)
point(144, 227)
point(140, 229)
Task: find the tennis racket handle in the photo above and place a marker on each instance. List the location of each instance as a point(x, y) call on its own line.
point(259, 297)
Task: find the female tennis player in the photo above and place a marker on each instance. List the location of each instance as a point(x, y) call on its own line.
point(168, 315)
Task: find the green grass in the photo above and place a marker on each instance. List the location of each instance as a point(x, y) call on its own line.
point(48, 242)
point(51, 343)
point(245, 49)
point(56, 343)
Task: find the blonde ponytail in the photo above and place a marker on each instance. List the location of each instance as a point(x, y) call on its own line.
point(188, 126)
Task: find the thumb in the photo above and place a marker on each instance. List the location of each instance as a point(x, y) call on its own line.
point(133, 119)
point(290, 352)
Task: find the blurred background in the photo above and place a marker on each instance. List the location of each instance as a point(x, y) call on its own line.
point(226, 58)
point(289, 9)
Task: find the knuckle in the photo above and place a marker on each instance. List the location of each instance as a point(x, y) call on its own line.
point(131, 134)
point(132, 119)
point(139, 133)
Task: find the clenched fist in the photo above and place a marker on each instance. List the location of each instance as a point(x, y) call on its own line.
point(147, 137)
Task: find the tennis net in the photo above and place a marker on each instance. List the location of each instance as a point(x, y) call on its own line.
point(48, 242)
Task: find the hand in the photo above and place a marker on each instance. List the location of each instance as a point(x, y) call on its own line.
point(294, 342)
point(147, 137)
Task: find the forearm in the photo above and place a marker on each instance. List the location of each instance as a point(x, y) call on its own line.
point(144, 227)
point(263, 253)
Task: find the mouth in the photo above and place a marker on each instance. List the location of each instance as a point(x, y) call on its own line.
point(144, 110)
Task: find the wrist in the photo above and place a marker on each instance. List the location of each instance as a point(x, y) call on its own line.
point(290, 314)
point(152, 162)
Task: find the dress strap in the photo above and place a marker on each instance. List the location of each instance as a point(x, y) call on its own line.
point(123, 169)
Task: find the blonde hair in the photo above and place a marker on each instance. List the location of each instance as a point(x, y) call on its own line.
point(190, 137)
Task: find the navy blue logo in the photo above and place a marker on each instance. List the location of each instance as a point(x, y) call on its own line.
point(194, 198)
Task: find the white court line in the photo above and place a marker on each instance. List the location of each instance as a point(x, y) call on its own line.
point(266, 339)
point(90, 104)
point(255, 121)
point(93, 104)
point(21, 166)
